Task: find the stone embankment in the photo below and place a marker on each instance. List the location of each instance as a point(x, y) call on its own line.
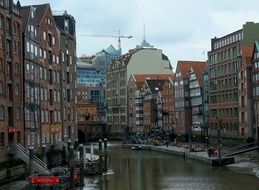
point(197, 153)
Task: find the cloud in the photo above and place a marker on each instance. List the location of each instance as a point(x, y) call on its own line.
point(182, 28)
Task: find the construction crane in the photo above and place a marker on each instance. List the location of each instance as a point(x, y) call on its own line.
point(109, 36)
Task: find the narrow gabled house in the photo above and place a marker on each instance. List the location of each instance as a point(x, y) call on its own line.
point(183, 111)
point(66, 26)
point(31, 77)
point(42, 60)
point(11, 76)
point(196, 97)
point(152, 104)
point(168, 104)
point(135, 98)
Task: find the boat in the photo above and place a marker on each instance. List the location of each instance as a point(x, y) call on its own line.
point(91, 162)
point(137, 147)
point(59, 180)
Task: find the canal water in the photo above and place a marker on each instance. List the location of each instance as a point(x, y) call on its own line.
point(147, 170)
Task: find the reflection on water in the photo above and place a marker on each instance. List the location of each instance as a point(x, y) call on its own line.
point(145, 170)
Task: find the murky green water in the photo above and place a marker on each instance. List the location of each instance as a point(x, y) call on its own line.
point(145, 170)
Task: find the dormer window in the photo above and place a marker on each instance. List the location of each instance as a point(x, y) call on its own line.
point(32, 12)
point(66, 25)
point(178, 74)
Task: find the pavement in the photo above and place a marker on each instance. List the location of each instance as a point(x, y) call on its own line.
point(247, 163)
point(198, 153)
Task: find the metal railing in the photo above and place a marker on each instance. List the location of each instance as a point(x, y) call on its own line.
point(38, 164)
point(240, 149)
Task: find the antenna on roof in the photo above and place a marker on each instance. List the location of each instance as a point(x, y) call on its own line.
point(144, 32)
point(144, 43)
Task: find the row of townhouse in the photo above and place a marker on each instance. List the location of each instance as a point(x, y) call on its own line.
point(37, 75)
point(141, 60)
point(172, 102)
point(205, 96)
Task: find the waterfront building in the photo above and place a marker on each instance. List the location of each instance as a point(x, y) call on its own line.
point(205, 100)
point(32, 110)
point(135, 99)
point(183, 108)
point(49, 57)
point(230, 99)
point(152, 104)
point(255, 86)
point(136, 61)
point(168, 104)
point(11, 76)
point(67, 75)
point(196, 97)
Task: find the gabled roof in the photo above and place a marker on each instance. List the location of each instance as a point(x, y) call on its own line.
point(247, 54)
point(155, 85)
point(140, 78)
point(39, 12)
point(25, 12)
point(184, 67)
point(198, 69)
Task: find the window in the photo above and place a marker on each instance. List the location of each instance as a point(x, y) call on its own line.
point(32, 12)
point(66, 25)
point(41, 72)
point(44, 35)
point(53, 40)
point(17, 68)
point(1, 112)
point(2, 139)
point(18, 137)
point(28, 46)
point(1, 41)
point(17, 90)
point(18, 113)
point(1, 64)
point(1, 88)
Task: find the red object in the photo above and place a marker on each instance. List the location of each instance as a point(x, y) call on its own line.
point(45, 180)
point(75, 177)
point(11, 130)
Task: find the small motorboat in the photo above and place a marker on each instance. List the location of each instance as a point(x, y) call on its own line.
point(138, 147)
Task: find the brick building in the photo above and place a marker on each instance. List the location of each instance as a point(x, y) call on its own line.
point(167, 94)
point(230, 100)
point(66, 26)
point(136, 96)
point(11, 75)
point(151, 104)
point(255, 85)
point(183, 109)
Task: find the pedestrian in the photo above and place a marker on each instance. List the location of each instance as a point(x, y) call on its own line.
point(209, 151)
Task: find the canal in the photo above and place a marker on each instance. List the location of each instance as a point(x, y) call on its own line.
point(147, 170)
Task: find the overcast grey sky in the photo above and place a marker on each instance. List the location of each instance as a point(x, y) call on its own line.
point(181, 28)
